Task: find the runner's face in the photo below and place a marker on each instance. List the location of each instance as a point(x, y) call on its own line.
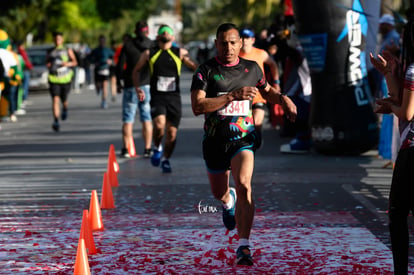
point(165, 37)
point(58, 40)
point(248, 42)
point(228, 46)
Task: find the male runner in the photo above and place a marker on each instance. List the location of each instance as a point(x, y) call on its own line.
point(102, 57)
point(165, 62)
point(222, 90)
point(60, 61)
point(249, 52)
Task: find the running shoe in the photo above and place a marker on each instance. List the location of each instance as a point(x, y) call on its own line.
point(20, 112)
point(229, 218)
point(165, 166)
point(56, 126)
point(147, 153)
point(64, 114)
point(296, 146)
point(125, 153)
point(13, 118)
point(243, 256)
point(156, 157)
point(104, 105)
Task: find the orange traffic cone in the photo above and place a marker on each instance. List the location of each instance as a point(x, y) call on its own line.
point(95, 217)
point(107, 198)
point(112, 158)
point(131, 148)
point(112, 167)
point(86, 234)
point(81, 264)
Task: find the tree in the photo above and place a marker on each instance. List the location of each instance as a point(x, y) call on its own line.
point(108, 11)
point(257, 14)
point(19, 18)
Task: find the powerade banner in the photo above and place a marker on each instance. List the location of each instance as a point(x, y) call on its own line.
point(333, 36)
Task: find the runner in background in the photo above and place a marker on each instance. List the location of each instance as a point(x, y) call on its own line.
point(101, 57)
point(60, 61)
point(165, 61)
point(249, 52)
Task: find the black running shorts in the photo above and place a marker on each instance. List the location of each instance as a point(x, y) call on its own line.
point(60, 90)
point(218, 155)
point(168, 104)
point(100, 77)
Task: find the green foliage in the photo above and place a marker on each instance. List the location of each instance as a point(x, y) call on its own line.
point(85, 20)
point(203, 21)
point(109, 9)
point(22, 17)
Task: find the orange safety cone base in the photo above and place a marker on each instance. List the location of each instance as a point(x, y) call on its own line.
point(81, 263)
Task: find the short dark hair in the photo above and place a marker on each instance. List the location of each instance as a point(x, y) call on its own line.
point(56, 33)
point(226, 27)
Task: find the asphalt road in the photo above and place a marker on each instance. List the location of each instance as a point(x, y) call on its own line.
point(46, 179)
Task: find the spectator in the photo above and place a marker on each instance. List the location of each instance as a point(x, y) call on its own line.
point(296, 83)
point(400, 102)
point(28, 66)
point(128, 57)
point(390, 40)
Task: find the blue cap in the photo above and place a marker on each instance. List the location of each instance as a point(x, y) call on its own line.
point(247, 33)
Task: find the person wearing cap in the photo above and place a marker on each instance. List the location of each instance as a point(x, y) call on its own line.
point(390, 37)
point(60, 61)
point(222, 90)
point(129, 56)
point(249, 52)
point(165, 61)
point(390, 41)
point(8, 62)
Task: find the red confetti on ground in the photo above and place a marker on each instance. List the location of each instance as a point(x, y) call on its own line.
point(283, 243)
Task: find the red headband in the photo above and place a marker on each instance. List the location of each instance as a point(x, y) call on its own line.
point(144, 29)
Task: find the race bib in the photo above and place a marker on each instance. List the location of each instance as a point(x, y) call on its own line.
point(235, 108)
point(62, 71)
point(166, 84)
point(104, 72)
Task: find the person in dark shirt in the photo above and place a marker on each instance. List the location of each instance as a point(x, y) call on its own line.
point(222, 89)
point(102, 58)
point(128, 57)
point(165, 62)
